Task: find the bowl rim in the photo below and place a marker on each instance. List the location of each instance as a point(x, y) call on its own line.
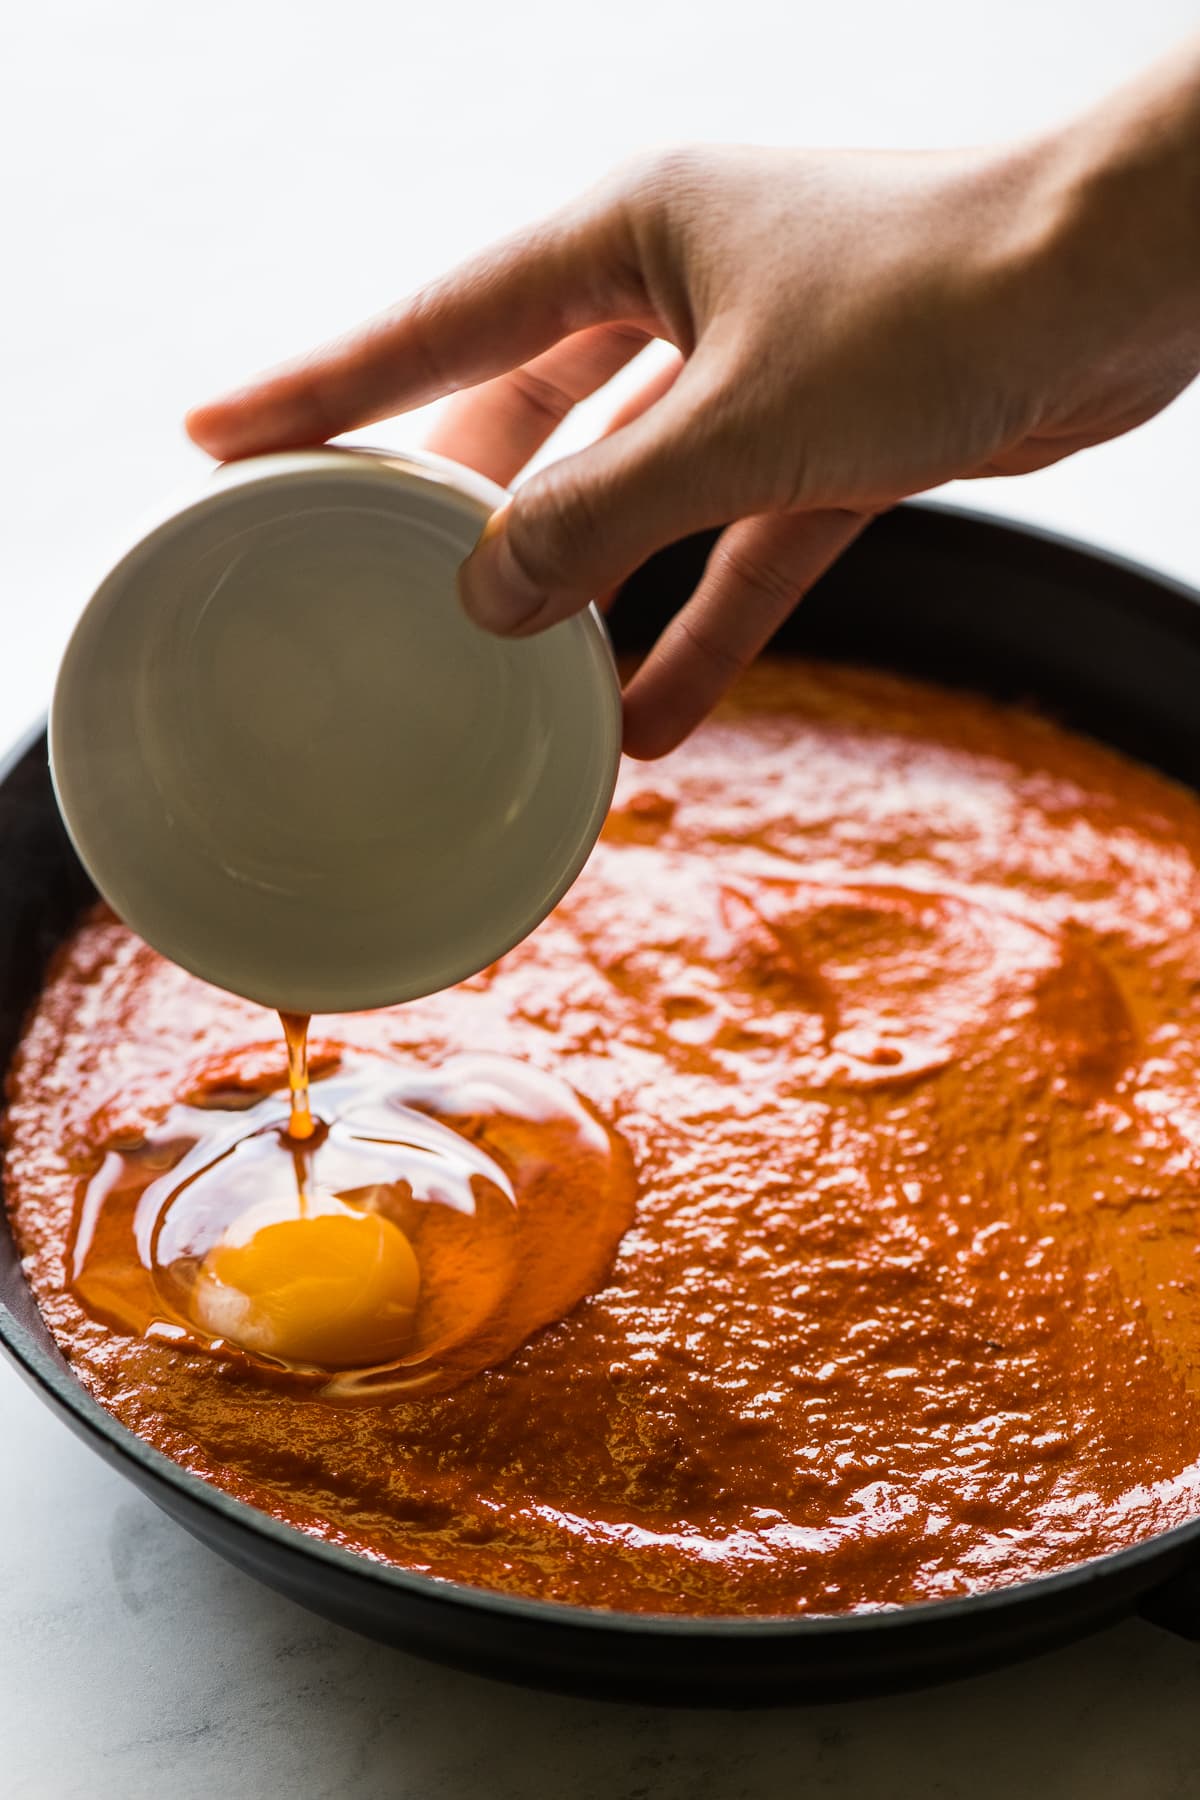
point(597, 696)
point(65, 1391)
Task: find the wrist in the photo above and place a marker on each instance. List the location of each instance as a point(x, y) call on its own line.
point(1124, 197)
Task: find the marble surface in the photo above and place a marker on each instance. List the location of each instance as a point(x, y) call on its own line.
point(201, 189)
point(135, 1664)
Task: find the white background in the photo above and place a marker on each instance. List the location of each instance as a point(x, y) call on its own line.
point(186, 192)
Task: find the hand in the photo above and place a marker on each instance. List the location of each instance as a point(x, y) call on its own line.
point(850, 328)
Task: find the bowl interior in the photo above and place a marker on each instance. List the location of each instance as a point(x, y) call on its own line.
point(291, 762)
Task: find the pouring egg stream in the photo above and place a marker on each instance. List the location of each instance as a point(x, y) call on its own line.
point(385, 1231)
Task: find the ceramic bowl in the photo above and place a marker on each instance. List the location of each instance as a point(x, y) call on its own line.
point(293, 765)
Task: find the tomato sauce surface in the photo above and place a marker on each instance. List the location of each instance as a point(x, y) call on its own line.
point(893, 997)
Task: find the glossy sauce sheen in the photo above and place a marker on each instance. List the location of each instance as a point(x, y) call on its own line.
point(895, 997)
point(415, 1229)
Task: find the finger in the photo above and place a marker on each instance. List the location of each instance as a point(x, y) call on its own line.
point(758, 571)
point(497, 427)
point(491, 314)
point(660, 383)
point(651, 391)
point(585, 523)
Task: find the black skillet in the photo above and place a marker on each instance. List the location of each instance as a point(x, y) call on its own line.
point(1109, 648)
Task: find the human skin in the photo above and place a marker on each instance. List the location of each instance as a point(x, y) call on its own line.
point(849, 328)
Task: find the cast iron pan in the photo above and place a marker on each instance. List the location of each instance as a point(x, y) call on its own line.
point(1108, 648)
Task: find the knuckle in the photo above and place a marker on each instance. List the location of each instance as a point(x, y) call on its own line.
point(422, 336)
point(654, 183)
point(553, 529)
point(541, 396)
point(740, 437)
point(761, 578)
point(671, 170)
point(711, 648)
point(323, 402)
point(627, 332)
point(632, 175)
point(799, 490)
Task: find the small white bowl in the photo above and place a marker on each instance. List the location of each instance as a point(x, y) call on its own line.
point(289, 760)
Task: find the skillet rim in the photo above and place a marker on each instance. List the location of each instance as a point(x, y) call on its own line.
point(63, 1391)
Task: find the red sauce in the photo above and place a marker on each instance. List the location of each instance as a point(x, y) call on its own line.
point(895, 998)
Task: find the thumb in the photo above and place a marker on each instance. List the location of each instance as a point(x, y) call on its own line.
point(584, 524)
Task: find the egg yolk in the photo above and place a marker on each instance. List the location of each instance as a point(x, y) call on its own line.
point(332, 1288)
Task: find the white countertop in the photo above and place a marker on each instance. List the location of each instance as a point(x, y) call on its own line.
point(191, 191)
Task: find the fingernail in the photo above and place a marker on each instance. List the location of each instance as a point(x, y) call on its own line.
point(496, 591)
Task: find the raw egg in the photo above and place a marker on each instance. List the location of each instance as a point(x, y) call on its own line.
point(318, 1283)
